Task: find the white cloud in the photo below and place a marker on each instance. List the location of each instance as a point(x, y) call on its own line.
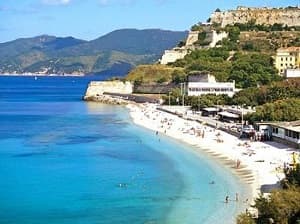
point(56, 2)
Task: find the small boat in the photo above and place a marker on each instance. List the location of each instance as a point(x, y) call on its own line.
point(35, 78)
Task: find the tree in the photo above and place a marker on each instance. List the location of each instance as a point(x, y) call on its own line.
point(293, 176)
point(252, 69)
point(280, 110)
point(233, 32)
point(282, 206)
point(178, 76)
point(244, 218)
point(248, 96)
point(196, 27)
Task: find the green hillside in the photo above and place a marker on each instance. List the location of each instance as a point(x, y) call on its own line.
point(115, 53)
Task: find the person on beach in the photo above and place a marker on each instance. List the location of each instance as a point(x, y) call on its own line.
point(236, 197)
point(238, 163)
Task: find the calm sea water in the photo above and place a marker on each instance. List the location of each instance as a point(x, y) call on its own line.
point(66, 161)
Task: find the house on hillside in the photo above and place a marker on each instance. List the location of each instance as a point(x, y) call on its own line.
point(201, 83)
point(287, 58)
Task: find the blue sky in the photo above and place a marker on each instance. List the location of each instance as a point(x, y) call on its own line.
point(89, 19)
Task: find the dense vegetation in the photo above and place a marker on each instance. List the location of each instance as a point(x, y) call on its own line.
point(116, 52)
point(247, 70)
point(154, 74)
point(269, 93)
point(281, 110)
point(281, 206)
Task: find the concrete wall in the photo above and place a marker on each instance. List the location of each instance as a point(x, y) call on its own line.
point(96, 88)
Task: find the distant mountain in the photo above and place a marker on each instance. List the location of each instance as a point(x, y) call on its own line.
point(116, 52)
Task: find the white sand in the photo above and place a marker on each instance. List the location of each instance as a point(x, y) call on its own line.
point(261, 163)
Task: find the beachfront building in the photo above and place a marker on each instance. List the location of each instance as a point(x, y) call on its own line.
point(210, 111)
point(201, 83)
point(283, 132)
point(234, 114)
point(287, 58)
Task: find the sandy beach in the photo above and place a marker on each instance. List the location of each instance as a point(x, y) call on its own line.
point(259, 164)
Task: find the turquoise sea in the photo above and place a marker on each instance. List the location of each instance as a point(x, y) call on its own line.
point(66, 161)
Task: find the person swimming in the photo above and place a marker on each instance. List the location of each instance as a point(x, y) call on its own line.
point(122, 185)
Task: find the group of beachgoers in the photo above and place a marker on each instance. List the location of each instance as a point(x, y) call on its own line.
point(265, 160)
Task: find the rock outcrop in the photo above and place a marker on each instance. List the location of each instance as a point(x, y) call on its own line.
point(97, 89)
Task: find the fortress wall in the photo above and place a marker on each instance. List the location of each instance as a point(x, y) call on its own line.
point(286, 16)
point(172, 55)
point(216, 37)
point(97, 88)
point(192, 38)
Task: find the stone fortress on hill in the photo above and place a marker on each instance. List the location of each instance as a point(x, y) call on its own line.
point(289, 16)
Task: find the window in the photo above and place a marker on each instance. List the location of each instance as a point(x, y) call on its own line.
point(295, 135)
point(281, 59)
point(275, 130)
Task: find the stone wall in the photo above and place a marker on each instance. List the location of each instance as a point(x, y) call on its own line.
point(192, 38)
point(154, 88)
point(97, 88)
point(173, 55)
point(268, 16)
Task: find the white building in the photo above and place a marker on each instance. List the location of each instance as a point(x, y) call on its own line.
point(292, 73)
point(284, 132)
point(203, 83)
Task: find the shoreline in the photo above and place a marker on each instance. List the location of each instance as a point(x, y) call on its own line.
point(257, 164)
point(42, 75)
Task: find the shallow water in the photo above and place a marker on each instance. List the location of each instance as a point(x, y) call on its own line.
point(63, 160)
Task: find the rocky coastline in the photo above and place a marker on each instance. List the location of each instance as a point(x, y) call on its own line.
point(106, 99)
